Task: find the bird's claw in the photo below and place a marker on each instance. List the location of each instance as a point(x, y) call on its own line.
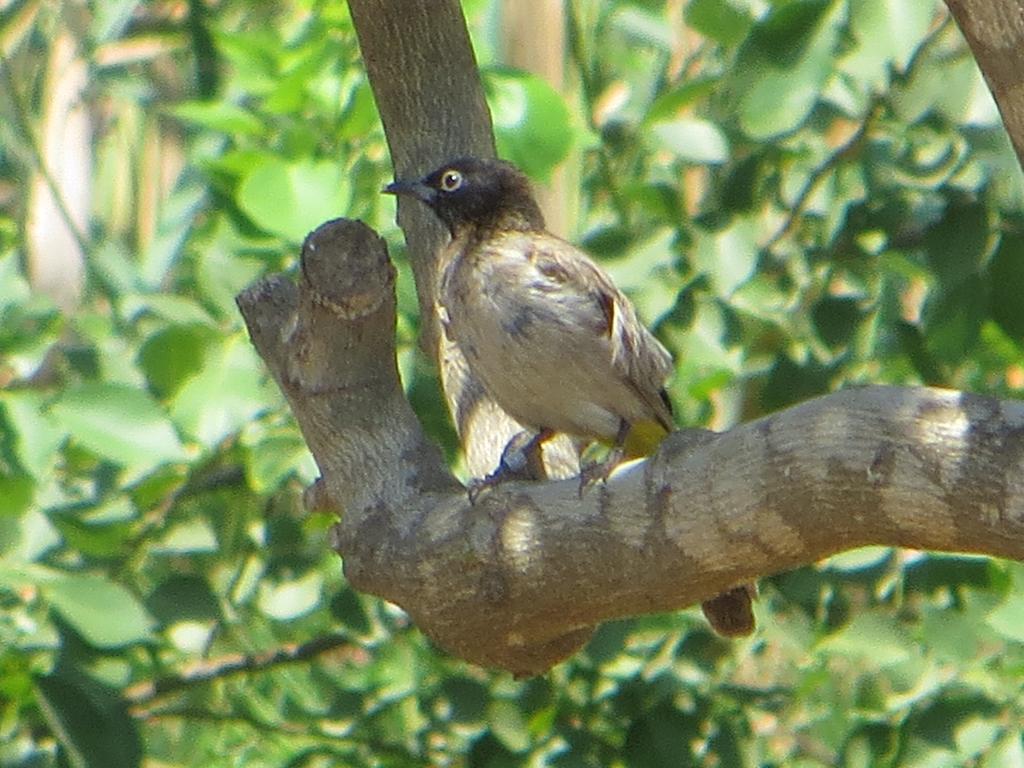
point(519, 461)
point(502, 474)
point(599, 471)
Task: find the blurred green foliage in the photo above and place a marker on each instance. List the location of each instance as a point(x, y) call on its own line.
point(798, 196)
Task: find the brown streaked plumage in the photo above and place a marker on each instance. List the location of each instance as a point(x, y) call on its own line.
point(542, 326)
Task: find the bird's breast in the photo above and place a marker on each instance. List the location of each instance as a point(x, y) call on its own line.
point(535, 350)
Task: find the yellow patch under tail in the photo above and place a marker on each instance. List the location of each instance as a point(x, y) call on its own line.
point(643, 439)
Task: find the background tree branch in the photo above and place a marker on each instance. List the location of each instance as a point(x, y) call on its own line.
point(995, 33)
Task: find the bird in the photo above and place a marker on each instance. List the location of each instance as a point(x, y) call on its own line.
point(552, 339)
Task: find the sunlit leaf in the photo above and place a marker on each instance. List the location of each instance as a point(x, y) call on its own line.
point(871, 638)
point(696, 141)
point(723, 20)
point(103, 612)
point(219, 116)
point(291, 199)
point(119, 423)
point(783, 68)
point(36, 434)
point(287, 600)
point(224, 395)
point(531, 121)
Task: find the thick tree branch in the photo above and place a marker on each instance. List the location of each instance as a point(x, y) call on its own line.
point(330, 345)
point(518, 580)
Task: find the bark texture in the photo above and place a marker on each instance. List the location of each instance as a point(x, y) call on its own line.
point(994, 29)
point(519, 579)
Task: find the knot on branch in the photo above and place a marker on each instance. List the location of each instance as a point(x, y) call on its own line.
point(357, 278)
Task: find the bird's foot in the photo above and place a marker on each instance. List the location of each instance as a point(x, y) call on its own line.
point(599, 471)
point(520, 460)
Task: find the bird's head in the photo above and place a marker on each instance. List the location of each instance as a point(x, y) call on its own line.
point(469, 191)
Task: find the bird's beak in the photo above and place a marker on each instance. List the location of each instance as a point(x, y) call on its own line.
point(416, 189)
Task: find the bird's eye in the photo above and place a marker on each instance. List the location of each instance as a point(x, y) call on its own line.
point(451, 180)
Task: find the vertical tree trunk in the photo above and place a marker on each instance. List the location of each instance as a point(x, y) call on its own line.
point(533, 39)
point(994, 29)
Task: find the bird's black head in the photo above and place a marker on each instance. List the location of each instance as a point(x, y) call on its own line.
point(469, 191)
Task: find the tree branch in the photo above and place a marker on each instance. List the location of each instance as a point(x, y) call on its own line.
point(994, 29)
point(519, 580)
point(143, 694)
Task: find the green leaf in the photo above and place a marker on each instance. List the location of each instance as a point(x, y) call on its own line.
point(721, 20)
point(646, 273)
point(228, 392)
point(660, 739)
point(172, 355)
point(184, 598)
point(693, 140)
point(784, 66)
point(115, 263)
point(642, 28)
point(468, 698)
point(1007, 285)
point(178, 310)
point(1008, 751)
point(506, 722)
point(222, 273)
point(890, 30)
point(1008, 618)
point(37, 435)
point(273, 459)
point(18, 492)
point(219, 116)
point(953, 318)
point(668, 104)
point(531, 121)
point(29, 536)
point(348, 609)
point(360, 116)
point(90, 720)
point(958, 246)
point(178, 213)
point(102, 531)
point(119, 423)
point(104, 613)
point(836, 319)
point(858, 559)
point(190, 536)
point(287, 600)
point(729, 256)
point(874, 640)
point(292, 198)
point(14, 288)
point(110, 18)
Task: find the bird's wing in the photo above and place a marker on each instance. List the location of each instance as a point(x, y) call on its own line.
point(637, 356)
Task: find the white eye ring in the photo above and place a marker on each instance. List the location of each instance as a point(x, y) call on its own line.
point(451, 180)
